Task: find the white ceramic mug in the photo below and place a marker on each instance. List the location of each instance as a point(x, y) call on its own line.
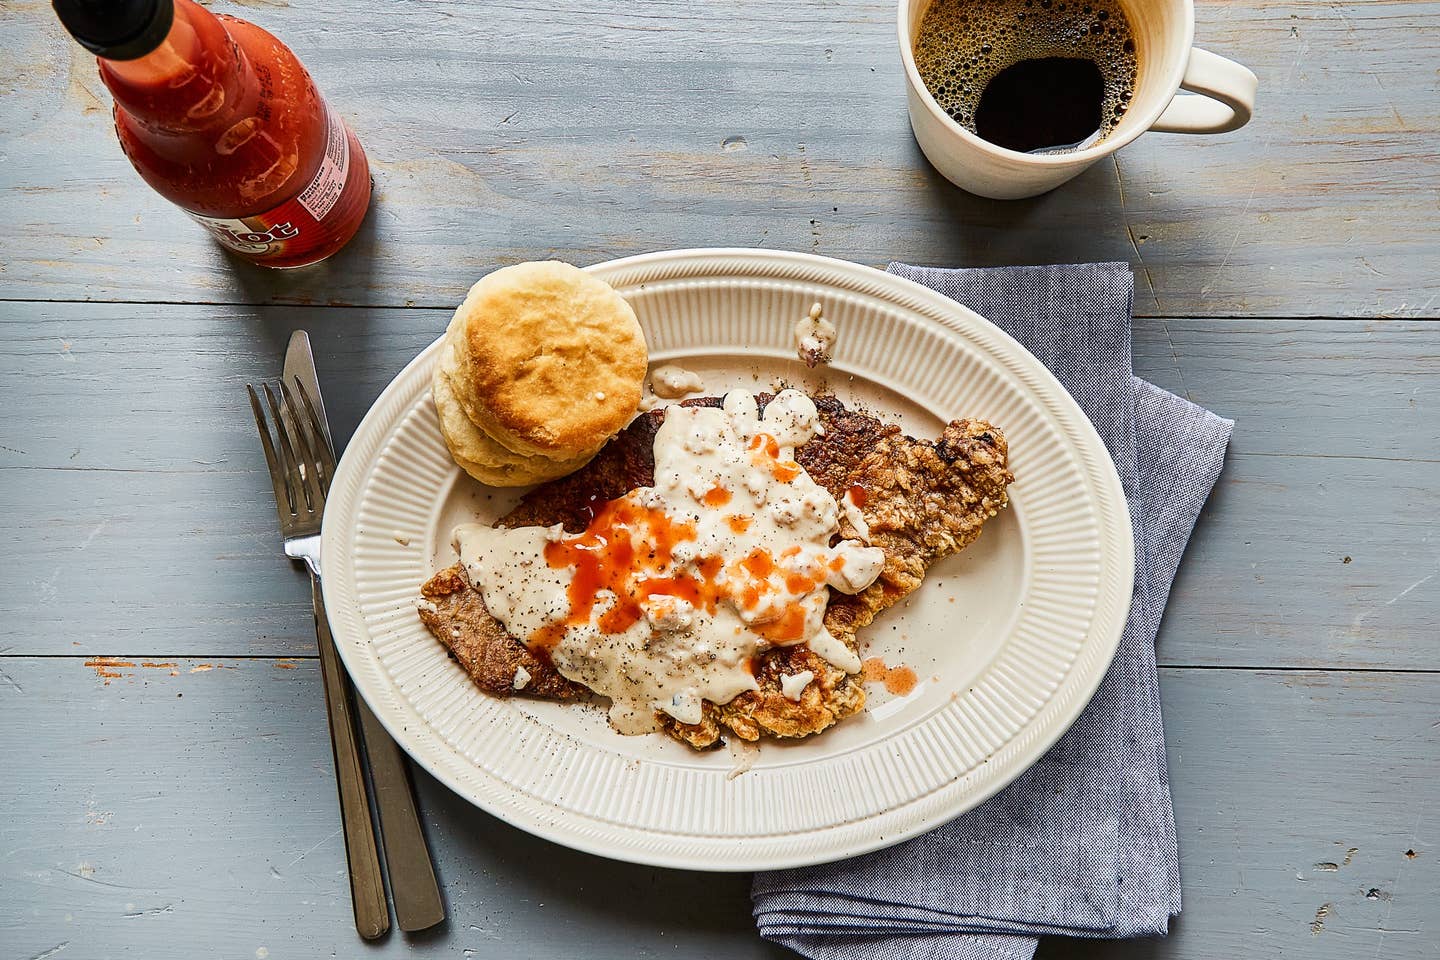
point(1222, 98)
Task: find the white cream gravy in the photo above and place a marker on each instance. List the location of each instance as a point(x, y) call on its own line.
point(674, 589)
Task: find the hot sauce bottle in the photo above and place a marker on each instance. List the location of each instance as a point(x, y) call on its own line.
point(222, 120)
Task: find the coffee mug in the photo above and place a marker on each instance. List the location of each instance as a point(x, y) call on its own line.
point(1222, 98)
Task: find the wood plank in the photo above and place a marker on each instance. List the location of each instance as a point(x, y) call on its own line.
point(1326, 410)
point(181, 815)
point(1304, 387)
point(156, 563)
point(1309, 561)
point(1305, 831)
point(584, 130)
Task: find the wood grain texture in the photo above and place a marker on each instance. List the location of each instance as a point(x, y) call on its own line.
point(117, 408)
point(586, 130)
point(181, 814)
point(175, 814)
point(1305, 814)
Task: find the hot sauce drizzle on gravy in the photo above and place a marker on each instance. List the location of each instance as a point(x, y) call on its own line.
point(668, 596)
point(605, 557)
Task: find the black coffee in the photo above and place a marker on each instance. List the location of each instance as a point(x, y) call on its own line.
point(1039, 76)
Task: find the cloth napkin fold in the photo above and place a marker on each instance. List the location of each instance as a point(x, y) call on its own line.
point(1083, 843)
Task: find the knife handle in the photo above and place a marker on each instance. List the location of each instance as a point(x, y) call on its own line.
point(418, 904)
point(367, 888)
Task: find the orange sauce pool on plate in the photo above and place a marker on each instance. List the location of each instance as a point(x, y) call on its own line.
point(899, 680)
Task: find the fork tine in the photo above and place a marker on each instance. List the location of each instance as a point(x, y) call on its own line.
point(300, 501)
point(327, 456)
point(277, 476)
point(310, 465)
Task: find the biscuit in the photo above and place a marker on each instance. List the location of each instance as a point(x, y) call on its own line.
point(549, 361)
point(480, 455)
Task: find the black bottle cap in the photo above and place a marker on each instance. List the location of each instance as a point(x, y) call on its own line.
point(117, 29)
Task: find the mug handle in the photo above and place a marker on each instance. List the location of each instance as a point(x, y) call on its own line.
point(1225, 101)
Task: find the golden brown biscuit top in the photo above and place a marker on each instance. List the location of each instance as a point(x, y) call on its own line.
point(554, 359)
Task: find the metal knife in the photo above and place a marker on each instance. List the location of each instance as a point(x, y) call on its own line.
point(413, 887)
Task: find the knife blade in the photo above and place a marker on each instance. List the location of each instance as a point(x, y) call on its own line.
point(300, 365)
point(413, 886)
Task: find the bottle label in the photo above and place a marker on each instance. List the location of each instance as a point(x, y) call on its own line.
point(297, 224)
point(319, 197)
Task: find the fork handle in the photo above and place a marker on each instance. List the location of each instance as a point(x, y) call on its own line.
point(418, 904)
point(367, 888)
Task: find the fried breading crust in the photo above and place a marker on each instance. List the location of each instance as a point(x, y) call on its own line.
point(923, 500)
point(456, 615)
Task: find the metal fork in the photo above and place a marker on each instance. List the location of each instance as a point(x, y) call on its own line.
point(300, 473)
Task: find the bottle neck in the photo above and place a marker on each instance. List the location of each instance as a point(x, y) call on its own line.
point(194, 80)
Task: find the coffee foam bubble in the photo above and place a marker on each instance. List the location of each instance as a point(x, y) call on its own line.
point(963, 44)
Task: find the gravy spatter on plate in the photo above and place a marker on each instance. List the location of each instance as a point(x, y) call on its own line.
point(671, 382)
point(668, 597)
point(815, 337)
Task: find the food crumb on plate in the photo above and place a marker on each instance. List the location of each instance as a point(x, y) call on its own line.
point(744, 753)
point(815, 337)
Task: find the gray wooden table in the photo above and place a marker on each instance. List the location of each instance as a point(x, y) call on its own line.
point(167, 787)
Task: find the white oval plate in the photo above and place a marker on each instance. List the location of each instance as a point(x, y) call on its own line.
point(1009, 638)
